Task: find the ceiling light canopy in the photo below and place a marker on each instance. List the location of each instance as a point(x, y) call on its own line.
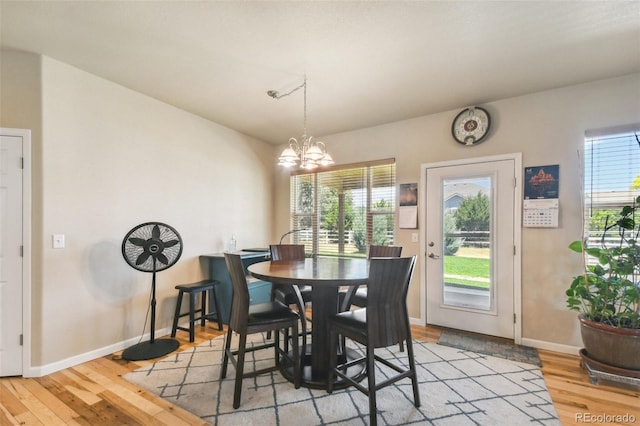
point(306, 152)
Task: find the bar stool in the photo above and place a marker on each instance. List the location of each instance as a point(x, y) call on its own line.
point(201, 288)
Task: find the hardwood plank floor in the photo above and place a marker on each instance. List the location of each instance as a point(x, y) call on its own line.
point(94, 393)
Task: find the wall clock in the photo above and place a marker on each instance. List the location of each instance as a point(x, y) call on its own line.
point(471, 126)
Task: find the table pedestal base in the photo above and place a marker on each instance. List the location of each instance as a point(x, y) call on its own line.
point(319, 380)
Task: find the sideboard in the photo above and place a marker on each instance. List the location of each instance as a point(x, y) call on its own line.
point(259, 291)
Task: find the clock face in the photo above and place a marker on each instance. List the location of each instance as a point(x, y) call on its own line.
point(471, 126)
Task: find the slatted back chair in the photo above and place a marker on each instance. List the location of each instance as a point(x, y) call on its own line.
point(384, 322)
point(248, 319)
point(384, 251)
point(292, 294)
point(357, 296)
point(287, 251)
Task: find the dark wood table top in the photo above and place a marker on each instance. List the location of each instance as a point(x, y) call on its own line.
point(322, 271)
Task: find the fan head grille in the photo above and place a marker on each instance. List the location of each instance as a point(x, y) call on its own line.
point(152, 246)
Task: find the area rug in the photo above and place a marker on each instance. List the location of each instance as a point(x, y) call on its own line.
point(457, 387)
point(488, 346)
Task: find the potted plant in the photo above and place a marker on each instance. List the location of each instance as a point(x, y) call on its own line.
point(607, 294)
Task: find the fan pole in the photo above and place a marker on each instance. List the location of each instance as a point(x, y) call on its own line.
point(153, 303)
point(153, 348)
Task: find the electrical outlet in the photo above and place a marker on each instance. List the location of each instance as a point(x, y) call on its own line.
point(58, 241)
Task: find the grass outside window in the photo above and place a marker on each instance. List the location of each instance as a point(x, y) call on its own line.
point(467, 271)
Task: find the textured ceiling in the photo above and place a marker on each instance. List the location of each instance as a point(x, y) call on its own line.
point(367, 62)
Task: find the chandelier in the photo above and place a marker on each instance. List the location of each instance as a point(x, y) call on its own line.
point(307, 152)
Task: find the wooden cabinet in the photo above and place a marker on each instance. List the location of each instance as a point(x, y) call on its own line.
point(259, 291)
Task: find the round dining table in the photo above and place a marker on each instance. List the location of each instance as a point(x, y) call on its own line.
point(325, 275)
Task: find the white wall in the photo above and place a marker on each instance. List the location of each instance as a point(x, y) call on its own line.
point(109, 159)
point(548, 128)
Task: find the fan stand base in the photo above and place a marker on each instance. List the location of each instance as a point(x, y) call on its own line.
point(150, 350)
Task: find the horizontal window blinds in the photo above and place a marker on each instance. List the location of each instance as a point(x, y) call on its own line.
point(342, 210)
point(611, 175)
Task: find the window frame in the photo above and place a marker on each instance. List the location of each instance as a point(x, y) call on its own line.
point(314, 215)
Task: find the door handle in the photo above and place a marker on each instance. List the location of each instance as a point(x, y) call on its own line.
point(434, 256)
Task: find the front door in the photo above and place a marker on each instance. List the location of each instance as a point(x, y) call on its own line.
point(470, 245)
point(10, 255)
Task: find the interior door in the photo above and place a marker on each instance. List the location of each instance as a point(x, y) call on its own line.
point(10, 255)
point(470, 248)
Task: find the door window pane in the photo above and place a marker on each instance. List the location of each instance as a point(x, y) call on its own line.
point(466, 219)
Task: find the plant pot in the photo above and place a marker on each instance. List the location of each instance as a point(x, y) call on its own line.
point(618, 347)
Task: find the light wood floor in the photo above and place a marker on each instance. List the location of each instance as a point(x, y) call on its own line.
point(94, 393)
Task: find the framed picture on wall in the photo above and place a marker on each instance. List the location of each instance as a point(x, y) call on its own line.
point(408, 217)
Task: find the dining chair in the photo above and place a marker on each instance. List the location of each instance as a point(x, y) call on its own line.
point(384, 322)
point(292, 294)
point(358, 296)
point(248, 319)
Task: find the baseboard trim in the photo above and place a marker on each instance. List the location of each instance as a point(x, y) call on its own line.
point(551, 346)
point(538, 344)
point(416, 321)
point(89, 356)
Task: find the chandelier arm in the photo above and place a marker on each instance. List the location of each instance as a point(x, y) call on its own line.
point(295, 145)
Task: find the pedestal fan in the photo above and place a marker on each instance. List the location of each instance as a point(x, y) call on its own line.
point(151, 247)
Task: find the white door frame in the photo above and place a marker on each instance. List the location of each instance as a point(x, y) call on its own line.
point(517, 234)
point(26, 246)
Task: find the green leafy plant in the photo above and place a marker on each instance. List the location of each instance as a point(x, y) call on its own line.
point(608, 291)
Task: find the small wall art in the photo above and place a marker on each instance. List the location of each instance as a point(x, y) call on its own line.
point(408, 218)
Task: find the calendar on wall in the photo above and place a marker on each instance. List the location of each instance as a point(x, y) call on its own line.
point(540, 213)
point(541, 189)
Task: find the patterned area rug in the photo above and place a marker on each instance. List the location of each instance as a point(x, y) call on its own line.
point(488, 346)
point(456, 388)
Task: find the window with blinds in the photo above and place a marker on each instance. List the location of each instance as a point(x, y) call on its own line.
point(341, 210)
point(611, 175)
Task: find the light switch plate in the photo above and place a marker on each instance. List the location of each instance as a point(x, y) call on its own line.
point(414, 237)
point(58, 241)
